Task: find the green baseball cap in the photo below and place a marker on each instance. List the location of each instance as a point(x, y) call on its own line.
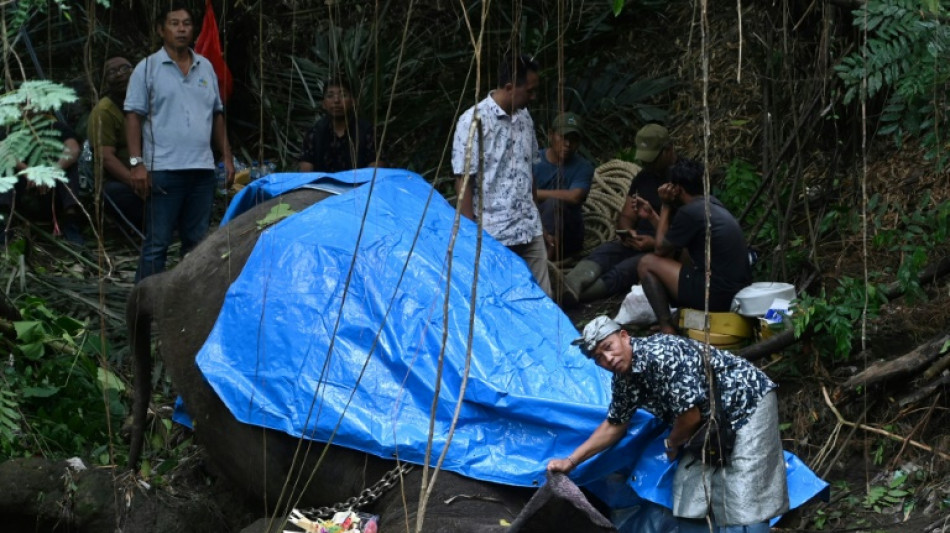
point(567, 123)
point(651, 140)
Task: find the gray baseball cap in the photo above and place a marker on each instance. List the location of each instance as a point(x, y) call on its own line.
point(595, 331)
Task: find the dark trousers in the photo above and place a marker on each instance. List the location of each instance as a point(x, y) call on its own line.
point(618, 266)
point(566, 224)
point(179, 199)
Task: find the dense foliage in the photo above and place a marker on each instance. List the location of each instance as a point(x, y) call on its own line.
point(59, 398)
point(26, 117)
point(903, 56)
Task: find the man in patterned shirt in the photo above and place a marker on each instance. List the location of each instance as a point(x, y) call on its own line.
point(494, 161)
point(665, 375)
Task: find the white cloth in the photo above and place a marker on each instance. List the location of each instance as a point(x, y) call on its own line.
point(636, 309)
point(751, 489)
point(510, 144)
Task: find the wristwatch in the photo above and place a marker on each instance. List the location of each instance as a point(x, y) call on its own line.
point(135, 161)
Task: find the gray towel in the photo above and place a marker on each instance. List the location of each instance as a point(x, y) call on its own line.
point(559, 504)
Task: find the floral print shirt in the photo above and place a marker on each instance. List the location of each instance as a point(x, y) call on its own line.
point(667, 377)
point(510, 145)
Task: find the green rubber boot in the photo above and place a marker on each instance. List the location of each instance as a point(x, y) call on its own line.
point(595, 291)
point(577, 281)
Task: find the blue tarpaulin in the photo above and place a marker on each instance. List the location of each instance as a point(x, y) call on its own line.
point(274, 185)
point(351, 321)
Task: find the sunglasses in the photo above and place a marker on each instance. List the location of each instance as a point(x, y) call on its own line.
point(121, 69)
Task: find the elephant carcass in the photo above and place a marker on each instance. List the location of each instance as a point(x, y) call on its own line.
point(275, 467)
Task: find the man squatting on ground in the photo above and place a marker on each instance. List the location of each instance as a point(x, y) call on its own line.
point(665, 280)
point(612, 267)
point(562, 181)
point(665, 375)
point(503, 150)
point(173, 113)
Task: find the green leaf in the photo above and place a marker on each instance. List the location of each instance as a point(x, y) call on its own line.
point(69, 324)
point(44, 175)
point(36, 96)
point(33, 351)
point(8, 418)
point(109, 381)
point(39, 392)
point(275, 215)
point(29, 331)
point(618, 7)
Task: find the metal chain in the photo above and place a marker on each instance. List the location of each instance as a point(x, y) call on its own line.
point(365, 497)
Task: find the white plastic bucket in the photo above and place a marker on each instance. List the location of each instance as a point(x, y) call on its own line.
point(757, 298)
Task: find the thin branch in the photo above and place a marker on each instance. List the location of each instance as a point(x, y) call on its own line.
point(877, 431)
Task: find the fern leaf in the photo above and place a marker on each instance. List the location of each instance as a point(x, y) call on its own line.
point(34, 97)
point(44, 176)
point(9, 415)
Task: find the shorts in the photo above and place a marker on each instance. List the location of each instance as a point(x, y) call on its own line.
point(692, 289)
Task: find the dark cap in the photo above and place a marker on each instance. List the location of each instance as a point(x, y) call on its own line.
point(651, 140)
point(567, 123)
point(595, 331)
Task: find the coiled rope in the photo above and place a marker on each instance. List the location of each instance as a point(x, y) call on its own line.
point(608, 192)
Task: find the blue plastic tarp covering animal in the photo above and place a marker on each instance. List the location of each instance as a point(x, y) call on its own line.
point(369, 321)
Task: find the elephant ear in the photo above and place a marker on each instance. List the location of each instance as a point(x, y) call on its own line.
point(559, 506)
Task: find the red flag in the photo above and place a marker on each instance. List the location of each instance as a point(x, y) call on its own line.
point(209, 45)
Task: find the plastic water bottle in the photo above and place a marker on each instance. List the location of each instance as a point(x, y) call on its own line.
point(87, 180)
point(255, 170)
point(270, 166)
point(221, 179)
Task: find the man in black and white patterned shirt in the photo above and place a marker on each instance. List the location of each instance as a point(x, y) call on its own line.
point(665, 375)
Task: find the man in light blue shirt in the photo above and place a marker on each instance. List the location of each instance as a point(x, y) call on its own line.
point(173, 114)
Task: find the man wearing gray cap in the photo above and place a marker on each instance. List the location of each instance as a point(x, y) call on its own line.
point(612, 267)
point(665, 374)
point(562, 179)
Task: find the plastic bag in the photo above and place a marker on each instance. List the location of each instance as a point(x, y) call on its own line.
point(636, 309)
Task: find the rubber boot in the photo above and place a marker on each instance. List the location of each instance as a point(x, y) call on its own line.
point(577, 280)
point(596, 291)
point(659, 300)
